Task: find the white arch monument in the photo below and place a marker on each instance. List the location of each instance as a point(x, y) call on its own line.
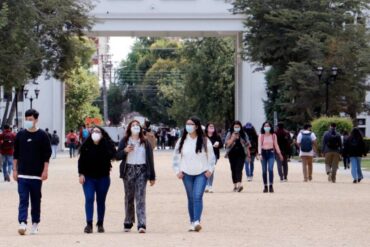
point(186, 18)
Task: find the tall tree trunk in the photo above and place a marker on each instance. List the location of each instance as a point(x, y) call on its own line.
point(9, 121)
point(5, 115)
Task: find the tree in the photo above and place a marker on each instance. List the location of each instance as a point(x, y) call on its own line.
point(292, 38)
point(82, 88)
point(118, 103)
point(39, 37)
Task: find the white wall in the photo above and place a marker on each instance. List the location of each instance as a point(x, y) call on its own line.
point(50, 104)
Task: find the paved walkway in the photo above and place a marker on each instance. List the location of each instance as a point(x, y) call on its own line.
point(297, 214)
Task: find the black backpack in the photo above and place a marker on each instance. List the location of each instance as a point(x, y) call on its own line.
point(333, 141)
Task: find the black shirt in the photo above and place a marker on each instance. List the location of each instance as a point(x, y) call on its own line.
point(213, 140)
point(32, 150)
point(95, 160)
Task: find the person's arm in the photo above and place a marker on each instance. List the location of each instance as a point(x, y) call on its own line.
point(16, 157)
point(177, 160)
point(211, 158)
point(47, 154)
point(152, 177)
point(259, 144)
point(121, 154)
point(229, 140)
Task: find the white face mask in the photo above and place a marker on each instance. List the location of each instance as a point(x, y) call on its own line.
point(96, 137)
point(28, 124)
point(135, 130)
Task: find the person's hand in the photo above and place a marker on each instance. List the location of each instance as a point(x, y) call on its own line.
point(180, 175)
point(235, 136)
point(259, 157)
point(15, 175)
point(81, 179)
point(152, 182)
point(216, 145)
point(44, 175)
point(129, 148)
point(281, 157)
point(249, 159)
point(208, 174)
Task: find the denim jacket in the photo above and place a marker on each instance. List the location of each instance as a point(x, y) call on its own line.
point(122, 155)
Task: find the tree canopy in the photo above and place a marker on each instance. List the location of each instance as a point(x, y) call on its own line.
point(292, 38)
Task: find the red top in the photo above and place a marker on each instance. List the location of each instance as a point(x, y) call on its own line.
point(72, 138)
point(7, 139)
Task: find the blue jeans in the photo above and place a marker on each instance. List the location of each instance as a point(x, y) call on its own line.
point(195, 186)
point(356, 168)
point(29, 189)
point(100, 187)
point(7, 165)
point(54, 150)
point(210, 179)
point(268, 159)
point(249, 166)
point(72, 149)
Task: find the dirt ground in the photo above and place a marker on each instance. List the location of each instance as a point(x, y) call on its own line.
point(297, 214)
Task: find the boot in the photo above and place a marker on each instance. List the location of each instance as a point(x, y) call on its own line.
point(271, 189)
point(265, 190)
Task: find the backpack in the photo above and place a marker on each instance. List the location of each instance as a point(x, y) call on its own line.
point(333, 141)
point(284, 141)
point(85, 133)
point(8, 141)
point(306, 142)
point(54, 140)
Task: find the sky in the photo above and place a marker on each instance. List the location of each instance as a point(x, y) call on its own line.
point(120, 47)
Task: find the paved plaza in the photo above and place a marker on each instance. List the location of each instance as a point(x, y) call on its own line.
point(297, 214)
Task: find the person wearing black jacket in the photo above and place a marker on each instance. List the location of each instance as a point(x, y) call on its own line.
point(253, 149)
point(94, 166)
point(32, 153)
point(217, 144)
point(137, 167)
point(355, 148)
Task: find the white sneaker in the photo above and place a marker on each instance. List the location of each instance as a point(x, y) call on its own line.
point(197, 226)
point(207, 189)
point(22, 228)
point(210, 189)
point(35, 228)
point(142, 230)
point(191, 227)
point(249, 179)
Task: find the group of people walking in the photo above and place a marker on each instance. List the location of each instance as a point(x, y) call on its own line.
point(194, 160)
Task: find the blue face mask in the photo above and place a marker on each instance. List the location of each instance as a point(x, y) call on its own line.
point(237, 129)
point(28, 124)
point(267, 129)
point(189, 128)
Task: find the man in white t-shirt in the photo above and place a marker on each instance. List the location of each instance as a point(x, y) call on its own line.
point(308, 148)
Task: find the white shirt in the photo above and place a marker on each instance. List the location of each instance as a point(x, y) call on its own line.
point(299, 139)
point(138, 155)
point(190, 162)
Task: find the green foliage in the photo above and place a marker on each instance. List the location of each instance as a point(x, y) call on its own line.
point(82, 88)
point(39, 37)
point(169, 80)
point(118, 103)
point(294, 38)
point(321, 125)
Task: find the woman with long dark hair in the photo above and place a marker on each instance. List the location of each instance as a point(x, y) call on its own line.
point(136, 169)
point(94, 166)
point(355, 148)
point(194, 162)
point(267, 148)
point(237, 150)
point(253, 149)
point(216, 141)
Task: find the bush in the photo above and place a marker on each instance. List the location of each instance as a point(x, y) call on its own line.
point(320, 125)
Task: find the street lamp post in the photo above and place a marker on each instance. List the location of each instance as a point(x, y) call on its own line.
point(106, 69)
point(37, 92)
point(328, 80)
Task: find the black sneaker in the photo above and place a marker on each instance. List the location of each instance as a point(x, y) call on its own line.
point(355, 181)
point(88, 229)
point(265, 190)
point(240, 188)
point(127, 227)
point(100, 228)
point(271, 189)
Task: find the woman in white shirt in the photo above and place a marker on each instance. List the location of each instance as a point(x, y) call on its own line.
point(194, 162)
point(137, 167)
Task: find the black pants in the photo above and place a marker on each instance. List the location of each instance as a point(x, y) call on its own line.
point(282, 166)
point(236, 165)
